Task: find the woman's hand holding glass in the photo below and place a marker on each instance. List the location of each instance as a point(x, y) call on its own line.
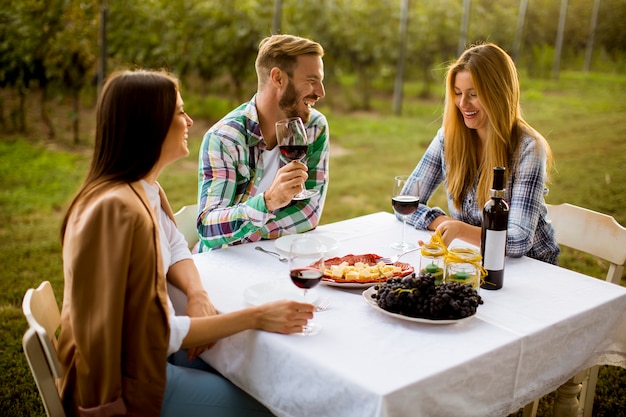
point(285, 316)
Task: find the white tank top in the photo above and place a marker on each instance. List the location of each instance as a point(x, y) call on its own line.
point(269, 160)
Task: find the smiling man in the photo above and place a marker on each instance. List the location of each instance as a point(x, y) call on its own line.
point(245, 189)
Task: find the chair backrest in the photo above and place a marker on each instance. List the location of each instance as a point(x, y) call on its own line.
point(186, 222)
point(40, 344)
point(592, 232)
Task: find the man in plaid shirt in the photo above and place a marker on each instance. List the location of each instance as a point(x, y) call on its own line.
point(245, 190)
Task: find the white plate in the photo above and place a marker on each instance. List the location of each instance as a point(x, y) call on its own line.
point(283, 243)
point(367, 295)
point(264, 292)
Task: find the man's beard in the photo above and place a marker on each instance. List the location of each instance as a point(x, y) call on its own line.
point(289, 103)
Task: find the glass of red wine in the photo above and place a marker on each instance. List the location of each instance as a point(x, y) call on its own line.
point(293, 144)
point(306, 268)
point(405, 199)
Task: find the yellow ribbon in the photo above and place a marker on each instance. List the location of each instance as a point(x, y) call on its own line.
point(460, 256)
point(437, 247)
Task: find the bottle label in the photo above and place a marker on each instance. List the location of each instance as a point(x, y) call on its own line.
point(495, 242)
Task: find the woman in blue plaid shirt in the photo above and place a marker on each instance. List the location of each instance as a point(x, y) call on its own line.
point(482, 128)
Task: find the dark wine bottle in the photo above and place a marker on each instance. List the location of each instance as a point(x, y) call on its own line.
point(494, 228)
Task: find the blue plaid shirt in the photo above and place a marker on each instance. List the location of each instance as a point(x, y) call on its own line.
point(529, 233)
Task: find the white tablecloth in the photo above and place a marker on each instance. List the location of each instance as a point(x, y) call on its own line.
point(545, 325)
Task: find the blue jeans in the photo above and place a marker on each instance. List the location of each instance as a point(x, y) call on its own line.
point(194, 388)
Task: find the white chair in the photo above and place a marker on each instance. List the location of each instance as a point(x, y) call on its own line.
point(40, 345)
point(595, 233)
point(186, 221)
point(599, 235)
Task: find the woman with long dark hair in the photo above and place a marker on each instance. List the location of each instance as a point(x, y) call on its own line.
point(120, 247)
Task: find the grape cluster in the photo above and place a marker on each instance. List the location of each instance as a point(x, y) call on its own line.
point(418, 296)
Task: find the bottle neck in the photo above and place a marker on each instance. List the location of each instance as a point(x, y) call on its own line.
point(497, 193)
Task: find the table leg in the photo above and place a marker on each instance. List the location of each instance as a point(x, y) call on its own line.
point(530, 410)
point(566, 403)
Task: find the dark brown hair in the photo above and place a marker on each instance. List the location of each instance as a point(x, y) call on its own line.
point(133, 115)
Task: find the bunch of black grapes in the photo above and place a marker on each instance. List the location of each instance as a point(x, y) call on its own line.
point(418, 296)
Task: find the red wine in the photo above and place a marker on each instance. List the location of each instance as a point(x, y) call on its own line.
point(405, 204)
point(306, 277)
point(494, 229)
point(294, 152)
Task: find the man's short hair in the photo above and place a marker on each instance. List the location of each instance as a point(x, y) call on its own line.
point(282, 51)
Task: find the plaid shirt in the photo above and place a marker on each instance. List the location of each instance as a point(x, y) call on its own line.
point(529, 233)
point(230, 209)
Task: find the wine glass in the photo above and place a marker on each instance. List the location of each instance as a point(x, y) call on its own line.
point(306, 268)
point(293, 144)
point(405, 199)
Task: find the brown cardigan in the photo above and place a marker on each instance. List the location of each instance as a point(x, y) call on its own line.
point(114, 322)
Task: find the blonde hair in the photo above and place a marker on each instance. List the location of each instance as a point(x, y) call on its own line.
point(282, 51)
point(496, 83)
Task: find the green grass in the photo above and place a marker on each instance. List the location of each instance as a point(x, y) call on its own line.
point(581, 115)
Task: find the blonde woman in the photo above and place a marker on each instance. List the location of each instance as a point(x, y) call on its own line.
point(482, 128)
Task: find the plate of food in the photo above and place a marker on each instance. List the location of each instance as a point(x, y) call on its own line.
point(361, 271)
point(265, 292)
point(458, 293)
point(283, 243)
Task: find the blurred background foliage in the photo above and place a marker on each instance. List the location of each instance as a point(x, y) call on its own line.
point(62, 47)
